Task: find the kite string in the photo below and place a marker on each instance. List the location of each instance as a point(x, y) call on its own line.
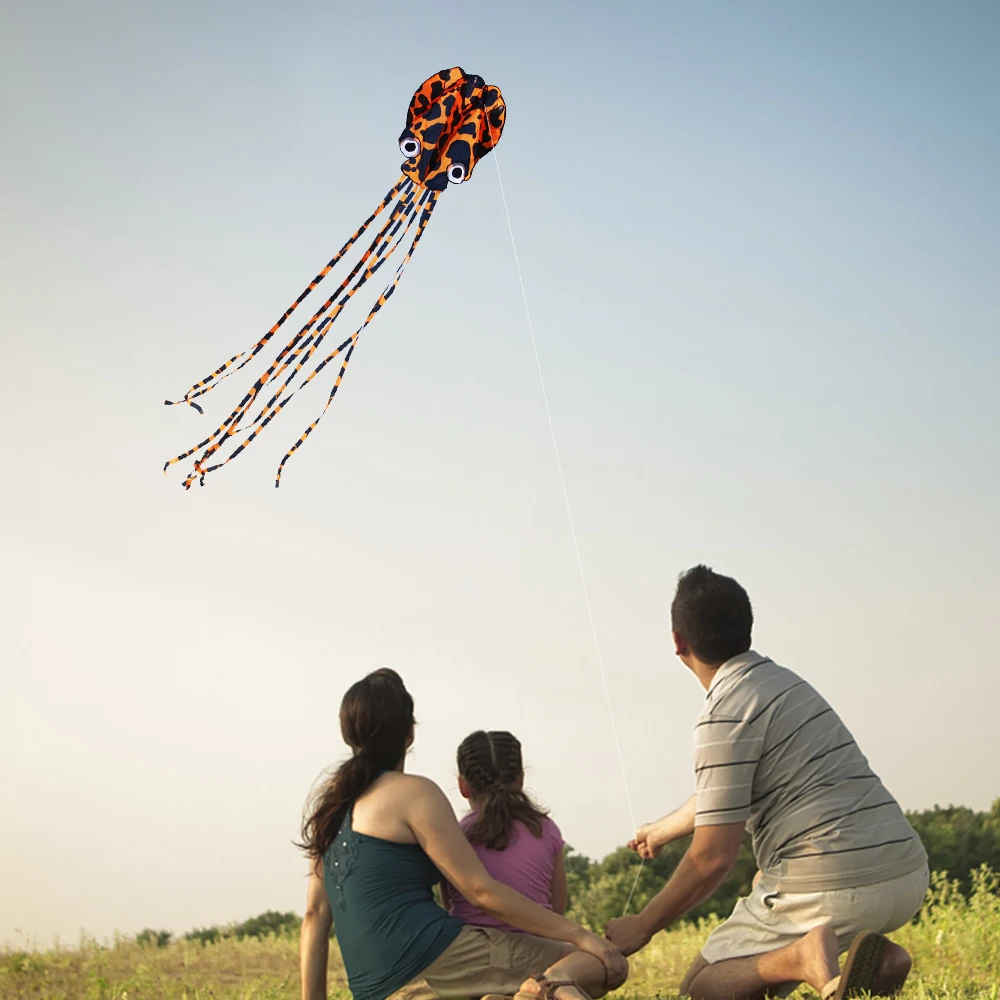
point(569, 513)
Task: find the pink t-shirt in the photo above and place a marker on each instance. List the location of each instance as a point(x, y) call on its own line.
point(526, 865)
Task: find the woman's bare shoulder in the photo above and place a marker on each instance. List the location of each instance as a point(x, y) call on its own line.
point(421, 799)
point(394, 803)
point(413, 786)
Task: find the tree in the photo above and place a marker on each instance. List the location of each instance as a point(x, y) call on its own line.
point(599, 890)
point(156, 939)
point(959, 840)
point(269, 923)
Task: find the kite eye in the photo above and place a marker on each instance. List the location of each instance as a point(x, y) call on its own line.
point(409, 147)
point(456, 173)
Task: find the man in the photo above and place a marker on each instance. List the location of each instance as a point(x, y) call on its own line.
point(838, 863)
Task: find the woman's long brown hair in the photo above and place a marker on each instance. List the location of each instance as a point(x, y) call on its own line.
point(491, 765)
point(376, 721)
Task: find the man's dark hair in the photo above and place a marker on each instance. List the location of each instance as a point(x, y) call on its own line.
point(713, 614)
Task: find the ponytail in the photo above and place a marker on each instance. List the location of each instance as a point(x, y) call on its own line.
point(376, 721)
point(491, 765)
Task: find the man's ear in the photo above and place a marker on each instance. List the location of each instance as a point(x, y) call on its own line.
point(463, 787)
point(681, 648)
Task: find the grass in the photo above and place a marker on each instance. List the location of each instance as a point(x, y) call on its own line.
point(955, 944)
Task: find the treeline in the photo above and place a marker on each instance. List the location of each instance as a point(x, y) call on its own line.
point(958, 840)
point(264, 925)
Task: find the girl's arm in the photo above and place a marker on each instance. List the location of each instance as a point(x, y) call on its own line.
point(558, 894)
point(432, 821)
point(314, 939)
point(445, 901)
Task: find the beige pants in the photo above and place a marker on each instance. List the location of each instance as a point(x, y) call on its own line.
point(766, 920)
point(483, 960)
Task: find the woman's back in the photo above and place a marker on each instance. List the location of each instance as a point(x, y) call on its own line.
point(387, 923)
point(527, 864)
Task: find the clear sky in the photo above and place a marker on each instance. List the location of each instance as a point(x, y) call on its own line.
point(760, 248)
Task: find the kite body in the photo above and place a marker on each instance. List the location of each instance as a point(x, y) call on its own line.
point(453, 121)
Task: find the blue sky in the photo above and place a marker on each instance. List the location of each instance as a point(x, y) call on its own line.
point(760, 250)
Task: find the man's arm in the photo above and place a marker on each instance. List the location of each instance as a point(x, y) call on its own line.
point(314, 940)
point(701, 871)
point(652, 837)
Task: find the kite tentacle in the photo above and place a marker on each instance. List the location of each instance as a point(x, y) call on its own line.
point(431, 199)
point(410, 218)
point(264, 414)
point(269, 411)
point(230, 425)
point(223, 371)
point(377, 254)
point(405, 198)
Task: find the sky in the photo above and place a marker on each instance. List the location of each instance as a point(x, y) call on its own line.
point(759, 246)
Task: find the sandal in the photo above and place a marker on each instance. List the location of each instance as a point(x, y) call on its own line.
point(861, 968)
point(547, 989)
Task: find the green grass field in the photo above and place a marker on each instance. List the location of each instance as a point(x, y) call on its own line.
point(955, 943)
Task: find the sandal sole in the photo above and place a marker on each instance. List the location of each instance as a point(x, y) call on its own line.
point(862, 965)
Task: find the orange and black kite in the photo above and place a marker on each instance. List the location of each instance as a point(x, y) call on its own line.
point(453, 121)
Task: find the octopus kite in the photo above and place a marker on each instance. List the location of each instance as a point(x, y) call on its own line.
point(453, 121)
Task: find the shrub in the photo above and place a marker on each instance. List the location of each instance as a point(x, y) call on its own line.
point(156, 939)
point(207, 935)
point(958, 840)
point(268, 923)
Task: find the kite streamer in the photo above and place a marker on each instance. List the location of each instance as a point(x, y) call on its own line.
point(453, 120)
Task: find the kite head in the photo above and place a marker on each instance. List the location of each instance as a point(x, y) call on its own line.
point(453, 121)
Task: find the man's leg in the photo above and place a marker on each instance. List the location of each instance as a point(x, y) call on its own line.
point(895, 968)
point(691, 975)
point(812, 959)
point(791, 937)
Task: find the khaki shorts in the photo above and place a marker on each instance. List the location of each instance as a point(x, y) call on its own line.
point(766, 919)
point(483, 960)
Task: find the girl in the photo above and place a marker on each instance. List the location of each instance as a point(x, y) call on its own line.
point(515, 840)
point(378, 841)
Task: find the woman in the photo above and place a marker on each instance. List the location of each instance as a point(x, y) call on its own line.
point(378, 841)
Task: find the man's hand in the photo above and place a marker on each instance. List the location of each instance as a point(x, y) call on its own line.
point(628, 933)
point(651, 838)
point(647, 842)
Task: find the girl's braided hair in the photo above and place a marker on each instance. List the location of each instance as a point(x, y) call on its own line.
point(491, 765)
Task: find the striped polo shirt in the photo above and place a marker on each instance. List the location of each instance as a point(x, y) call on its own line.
point(771, 753)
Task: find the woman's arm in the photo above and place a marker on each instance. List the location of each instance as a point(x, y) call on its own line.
point(314, 939)
point(432, 821)
point(557, 895)
point(445, 901)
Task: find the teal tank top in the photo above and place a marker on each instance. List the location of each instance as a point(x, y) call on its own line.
point(387, 923)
